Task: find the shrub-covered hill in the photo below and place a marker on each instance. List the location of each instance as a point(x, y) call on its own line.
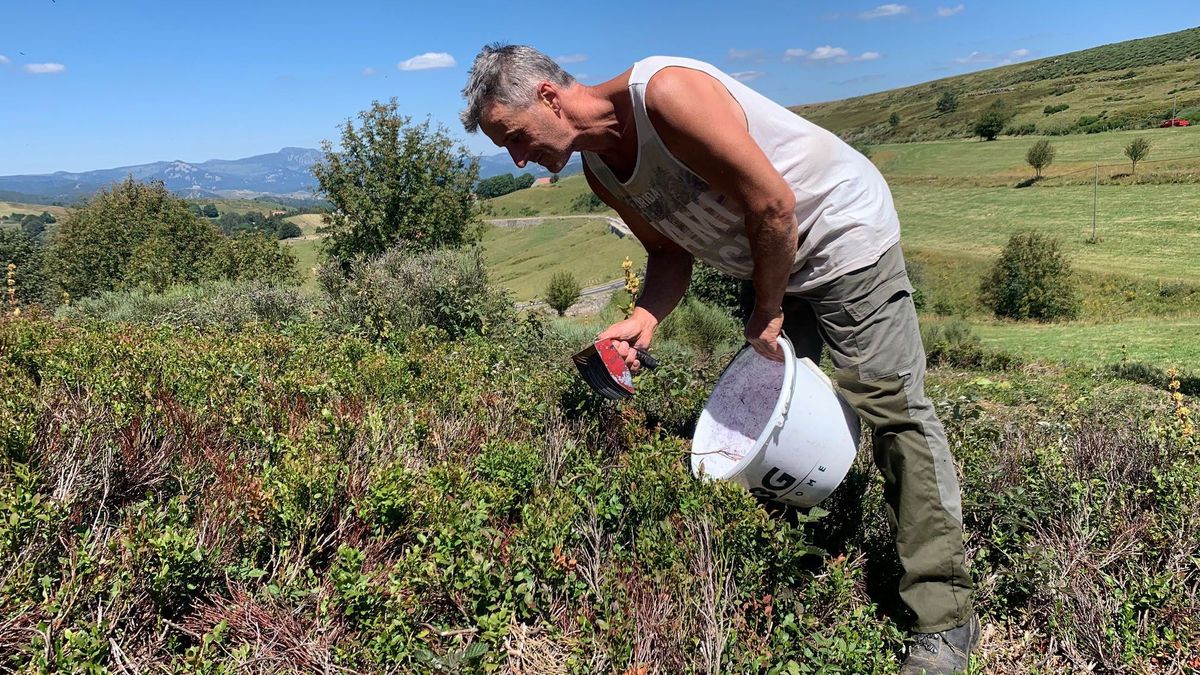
point(308, 497)
point(1126, 85)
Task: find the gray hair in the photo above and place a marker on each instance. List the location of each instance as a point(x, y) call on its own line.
point(507, 74)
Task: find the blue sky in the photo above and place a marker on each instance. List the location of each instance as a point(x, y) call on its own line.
point(90, 85)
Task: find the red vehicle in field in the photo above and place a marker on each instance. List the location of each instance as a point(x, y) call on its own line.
point(1174, 122)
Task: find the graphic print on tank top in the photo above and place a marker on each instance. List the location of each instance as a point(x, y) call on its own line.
point(710, 226)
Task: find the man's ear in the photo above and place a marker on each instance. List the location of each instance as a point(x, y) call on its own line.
point(548, 94)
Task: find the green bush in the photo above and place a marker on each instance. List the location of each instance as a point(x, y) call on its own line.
point(562, 292)
point(953, 343)
point(396, 183)
point(587, 202)
point(254, 257)
point(398, 292)
point(222, 303)
point(1021, 129)
point(701, 326)
point(22, 250)
point(133, 235)
point(992, 121)
point(1031, 280)
point(717, 288)
point(947, 102)
point(1051, 109)
point(1040, 155)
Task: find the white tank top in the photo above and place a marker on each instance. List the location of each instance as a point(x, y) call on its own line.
point(843, 205)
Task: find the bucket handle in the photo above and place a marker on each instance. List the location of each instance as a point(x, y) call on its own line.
point(787, 395)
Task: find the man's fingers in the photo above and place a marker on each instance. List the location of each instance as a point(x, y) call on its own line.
point(769, 350)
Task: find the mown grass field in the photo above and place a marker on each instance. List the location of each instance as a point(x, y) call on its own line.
point(9, 208)
point(1002, 161)
point(1144, 230)
point(522, 259)
point(308, 222)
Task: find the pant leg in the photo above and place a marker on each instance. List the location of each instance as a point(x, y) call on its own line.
point(800, 326)
point(868, 320)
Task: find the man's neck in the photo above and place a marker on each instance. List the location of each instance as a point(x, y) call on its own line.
point(605, 117)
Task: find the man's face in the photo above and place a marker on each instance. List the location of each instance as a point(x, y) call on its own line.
point(536, 133)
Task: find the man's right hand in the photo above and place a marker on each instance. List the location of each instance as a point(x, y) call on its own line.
point(636, 331)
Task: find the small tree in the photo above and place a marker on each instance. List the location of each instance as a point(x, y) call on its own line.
point(134, 235)
point(20, 249)
point(395, 183)
point(254, 256)
point(562, 292)
point(894, 120)
point(1136, 151)
point(209, 211)
point(947, 102)
point(1031, 280)
point(992, 121)
point(553, 178)
point(1040, 155)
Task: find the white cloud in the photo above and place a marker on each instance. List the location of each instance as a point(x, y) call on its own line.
point(975, 57)
point(889, 9)
point(950, 11)
point(829, 54)
point(428, 61)
point(747, 75)
point(4, 59)
point(739, 54)
point(44, 68)
point(368, 71)
point(571, 58)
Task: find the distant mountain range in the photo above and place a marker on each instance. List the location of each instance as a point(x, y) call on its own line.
point(286, 173)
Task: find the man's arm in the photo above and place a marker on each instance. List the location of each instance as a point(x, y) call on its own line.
point(704, 127)
point(668, 272)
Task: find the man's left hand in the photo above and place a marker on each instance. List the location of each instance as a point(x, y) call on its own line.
point(762, 332)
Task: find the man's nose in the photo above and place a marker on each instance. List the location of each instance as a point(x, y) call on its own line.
point(518, 157)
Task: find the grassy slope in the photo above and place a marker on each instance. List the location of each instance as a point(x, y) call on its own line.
point(7, 208)
point(1145, 230)
point(307, 256)
point(1028, 87)
point(1002, 162)
point(553, 199)
point(308, 222)
point(523, 259)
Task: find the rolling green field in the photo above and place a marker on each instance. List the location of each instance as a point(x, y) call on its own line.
point(545, 199)
point(1151, 230)
point(307, 256)
point(1002, 161)
point(522, 259)
point(1136, 81)
point(1162, 341)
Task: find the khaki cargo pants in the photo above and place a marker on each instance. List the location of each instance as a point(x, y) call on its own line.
point(868, 320)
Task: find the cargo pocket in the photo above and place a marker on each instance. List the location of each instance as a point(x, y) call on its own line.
point(884, 331)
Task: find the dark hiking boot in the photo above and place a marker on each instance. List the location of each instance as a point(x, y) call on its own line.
point(943, 653)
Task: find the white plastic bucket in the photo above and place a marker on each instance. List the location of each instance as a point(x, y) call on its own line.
point(778, 429)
